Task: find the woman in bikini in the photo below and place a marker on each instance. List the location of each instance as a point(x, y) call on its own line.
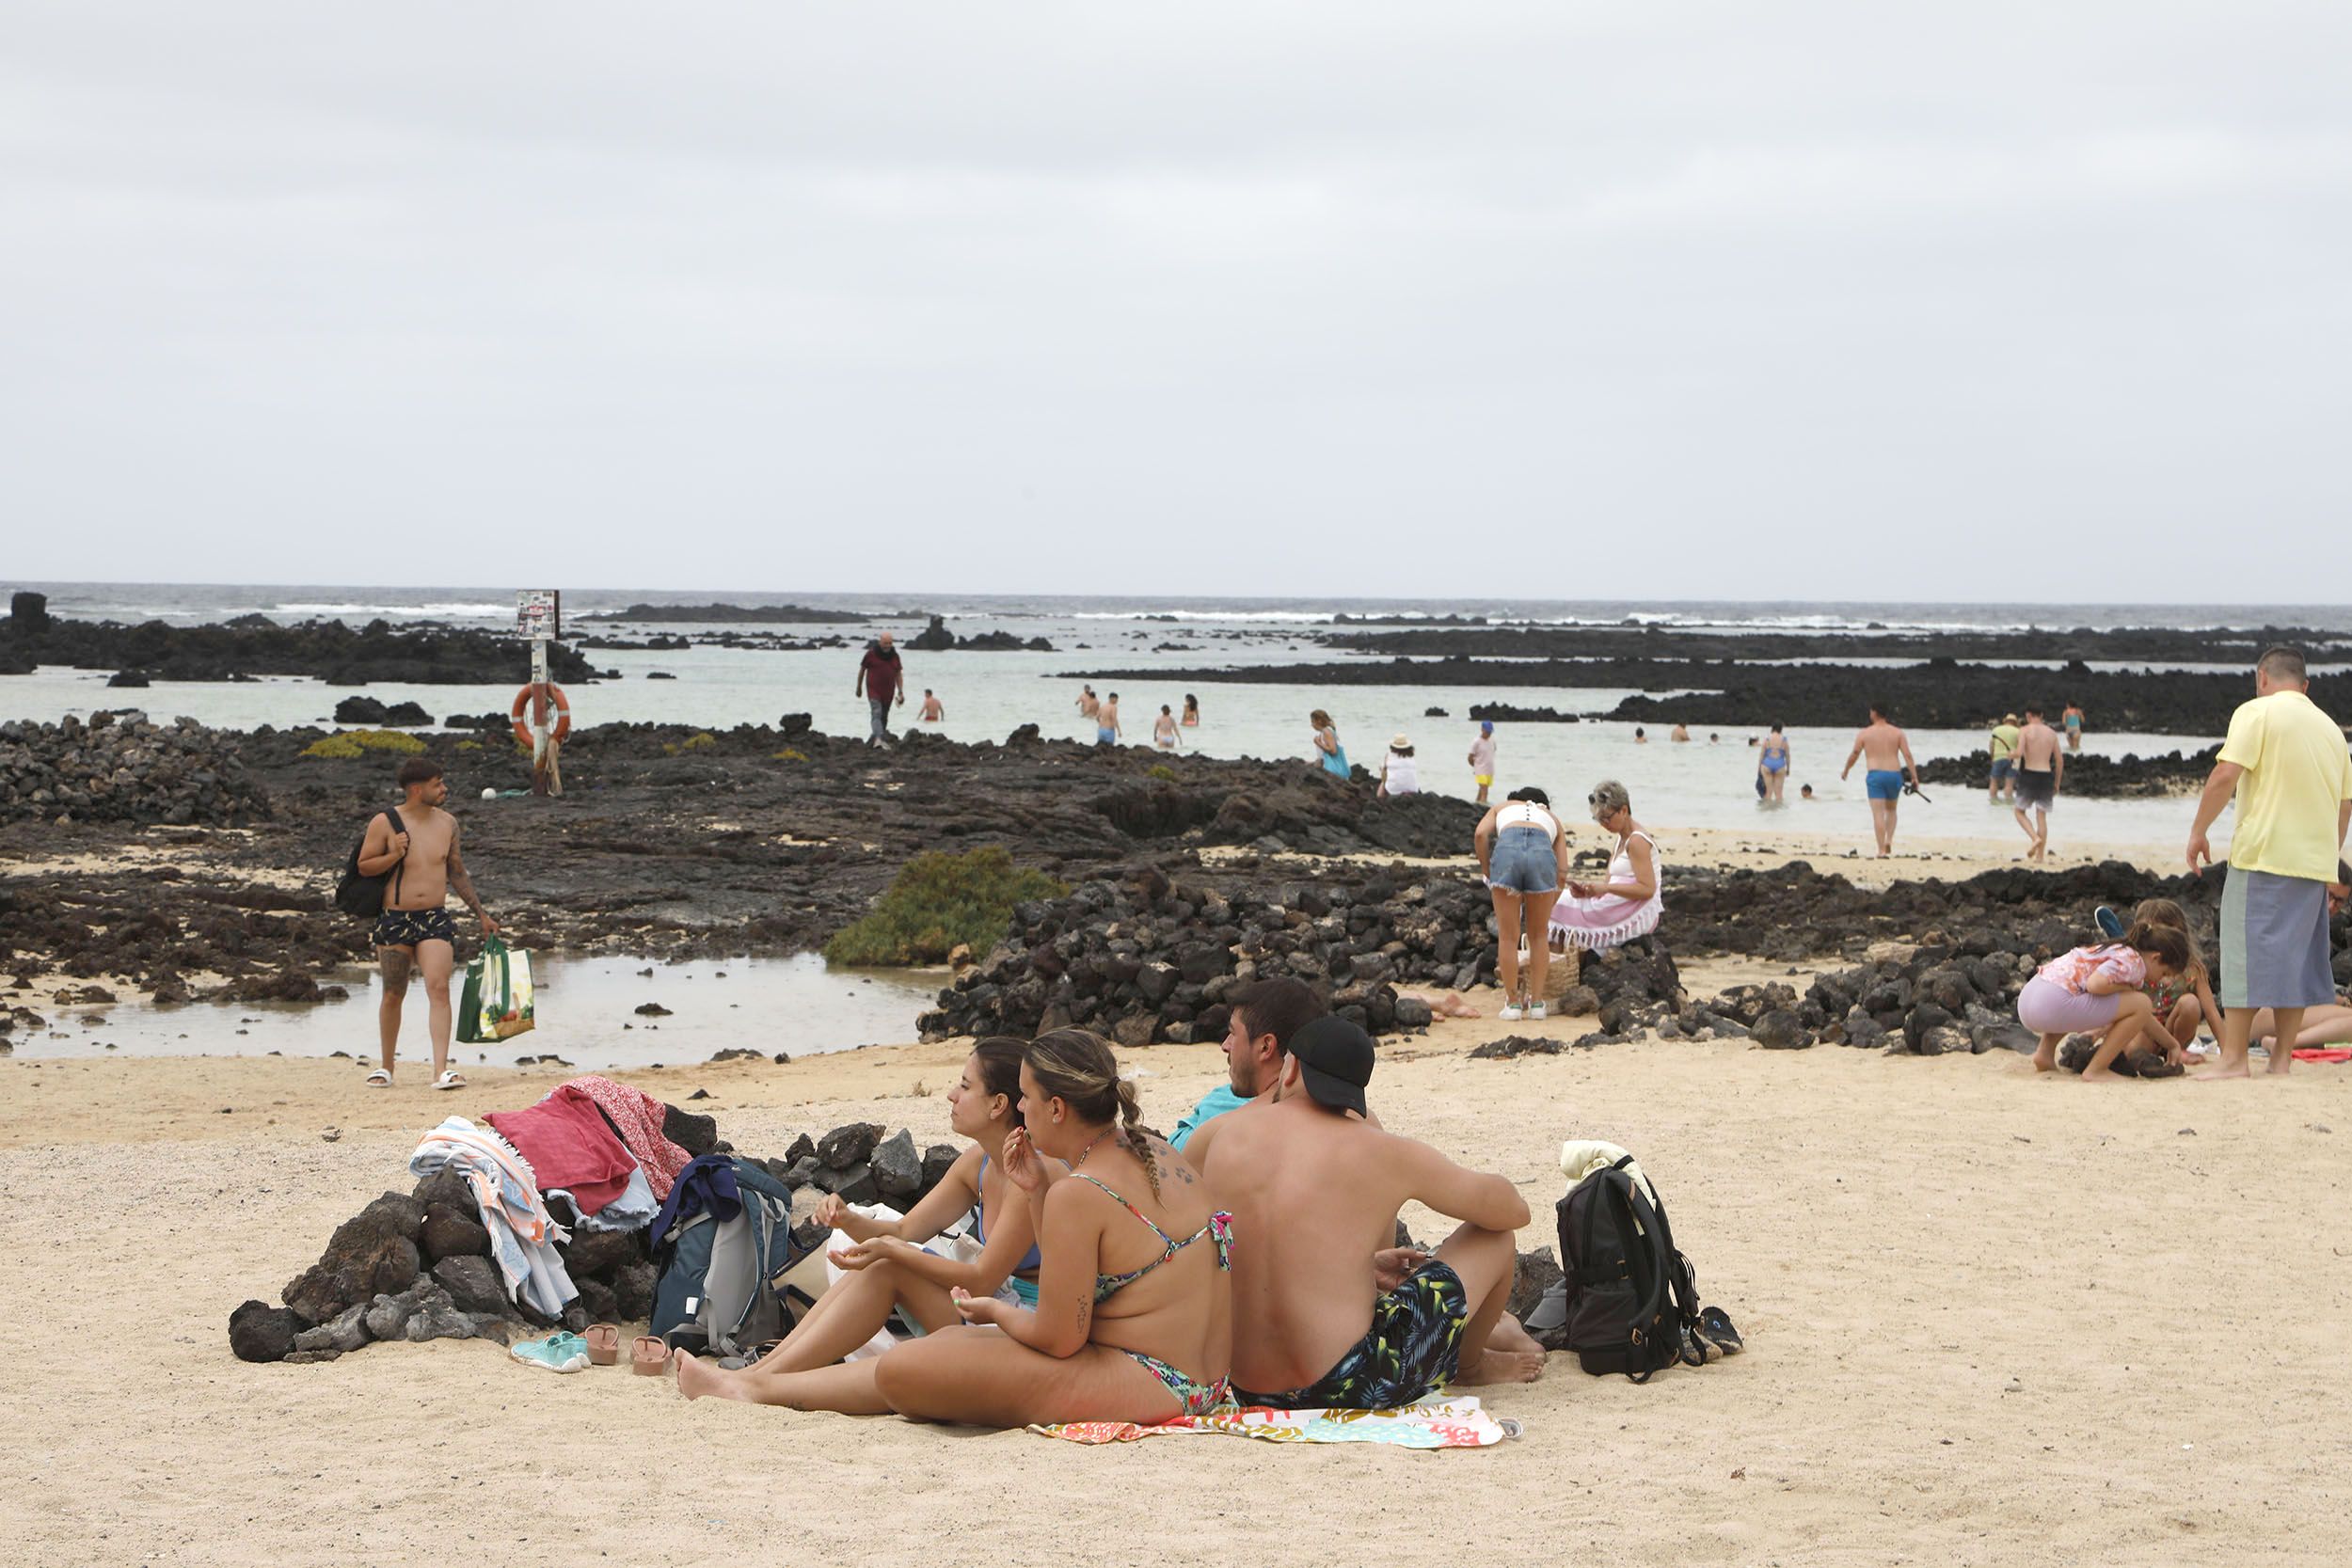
point(1772, 765)
point(888, 1266)
point(1134, 1321)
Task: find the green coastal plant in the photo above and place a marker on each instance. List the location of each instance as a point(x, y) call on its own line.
point(701, 741)
point(385, 741)
point(789, 755)
point(941, 900)
point(1162, 771)
point(332, 746)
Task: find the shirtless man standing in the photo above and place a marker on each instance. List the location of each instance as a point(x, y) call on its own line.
point(1889, 752)
point(932, 712)
point(1106, 721)
point(414, 931)
point(1088, 704)
point(2041, 764)
point(1327, 1312)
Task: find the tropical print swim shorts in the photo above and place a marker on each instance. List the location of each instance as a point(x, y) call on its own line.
point(1412, 1350)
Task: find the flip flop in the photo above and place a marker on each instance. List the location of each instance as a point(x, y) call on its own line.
point(379, 1079)
point(604, 1345)
point(648, 1356)
point(1715, 1328)
point(2110, 923)
point(448, 1079)
point(557, 1352)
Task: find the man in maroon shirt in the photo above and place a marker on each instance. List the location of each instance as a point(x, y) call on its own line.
point(880, 677)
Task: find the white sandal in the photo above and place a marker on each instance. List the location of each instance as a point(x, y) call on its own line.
point(379, 1079)
point(448, 1079)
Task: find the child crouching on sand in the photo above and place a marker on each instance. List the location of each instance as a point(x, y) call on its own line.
point(2101, 988)
point(2184, 1001)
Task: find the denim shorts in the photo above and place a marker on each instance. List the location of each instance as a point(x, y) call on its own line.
point(1524, 861)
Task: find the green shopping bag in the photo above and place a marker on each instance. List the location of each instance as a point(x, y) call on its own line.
point(496, 1003)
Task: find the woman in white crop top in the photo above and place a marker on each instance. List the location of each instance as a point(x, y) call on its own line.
point(1524, 857)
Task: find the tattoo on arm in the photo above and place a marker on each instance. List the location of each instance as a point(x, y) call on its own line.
point(461, 883)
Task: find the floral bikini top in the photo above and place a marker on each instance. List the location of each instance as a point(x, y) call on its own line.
point(1220, 1229)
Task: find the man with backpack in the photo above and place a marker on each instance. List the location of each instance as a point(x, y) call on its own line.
point(1327, 1312)
point(412, 852)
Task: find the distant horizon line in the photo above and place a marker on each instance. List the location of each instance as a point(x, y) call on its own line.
point(752, 596)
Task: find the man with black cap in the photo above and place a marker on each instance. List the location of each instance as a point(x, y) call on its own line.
point(1327, 1314)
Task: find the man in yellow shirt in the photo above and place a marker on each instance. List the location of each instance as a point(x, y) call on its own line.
point(2287, 765)
point(2004, 768)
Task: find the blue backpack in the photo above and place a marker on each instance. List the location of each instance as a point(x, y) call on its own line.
point(717, 1291)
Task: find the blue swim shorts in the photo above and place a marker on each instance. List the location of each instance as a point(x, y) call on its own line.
point(2001, 770)
point(1885, 783)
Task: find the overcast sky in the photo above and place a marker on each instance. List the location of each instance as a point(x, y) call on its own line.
point(2035, 301)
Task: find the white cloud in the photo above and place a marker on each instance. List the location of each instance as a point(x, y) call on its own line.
point(1799, 299)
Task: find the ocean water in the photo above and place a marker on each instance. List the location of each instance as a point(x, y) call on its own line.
point(986, 695)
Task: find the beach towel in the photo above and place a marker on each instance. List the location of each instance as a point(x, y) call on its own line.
point(2321, 1054)
point(637, 1116)
point(522, 1233)
point(570, 1146)
point(1581, 1157)
point(1457, 1423)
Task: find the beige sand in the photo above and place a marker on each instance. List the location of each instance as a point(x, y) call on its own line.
point(1992, 1320)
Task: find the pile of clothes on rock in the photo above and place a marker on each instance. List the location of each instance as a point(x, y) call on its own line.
point(591, 1157)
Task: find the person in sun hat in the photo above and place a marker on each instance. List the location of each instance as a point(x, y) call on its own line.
point(1398, 771)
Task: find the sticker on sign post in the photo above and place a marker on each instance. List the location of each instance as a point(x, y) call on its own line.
point(539, 613)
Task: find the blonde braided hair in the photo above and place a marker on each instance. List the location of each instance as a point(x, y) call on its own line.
point(1076, 1066)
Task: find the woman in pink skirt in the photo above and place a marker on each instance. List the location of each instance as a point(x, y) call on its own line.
point(1594, 915)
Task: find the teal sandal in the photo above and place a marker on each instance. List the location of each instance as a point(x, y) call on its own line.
point(557, 1352)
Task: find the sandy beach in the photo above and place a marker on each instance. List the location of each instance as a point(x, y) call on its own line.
point(1990, 1320)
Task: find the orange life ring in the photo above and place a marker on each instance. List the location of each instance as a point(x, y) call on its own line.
point(562, 714)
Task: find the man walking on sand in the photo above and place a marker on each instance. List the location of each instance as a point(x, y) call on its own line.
point(1889, 750)
point(2041, 769)
point(881, 677)
point(2285, 764)
point(417, 846)
point(1328, 1312)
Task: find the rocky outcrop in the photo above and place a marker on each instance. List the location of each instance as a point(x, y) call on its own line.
point(2092, 776)
point(119, 768)
point(367, 710)
point(254, 646)
point(1150, 959)
point(936, 637)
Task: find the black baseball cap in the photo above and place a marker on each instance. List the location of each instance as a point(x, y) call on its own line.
point(1335, 1062)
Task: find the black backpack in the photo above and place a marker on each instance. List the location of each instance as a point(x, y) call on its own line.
point(1632, 1301)
point(364, 895)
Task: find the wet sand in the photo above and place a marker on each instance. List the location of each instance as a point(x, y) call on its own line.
point(1991, 1320)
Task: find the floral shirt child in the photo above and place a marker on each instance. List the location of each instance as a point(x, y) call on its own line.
point(2073, 971)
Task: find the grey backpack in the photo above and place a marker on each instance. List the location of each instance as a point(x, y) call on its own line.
point(718, 1290)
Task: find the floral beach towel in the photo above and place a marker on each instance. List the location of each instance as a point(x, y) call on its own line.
point(1436, 1424)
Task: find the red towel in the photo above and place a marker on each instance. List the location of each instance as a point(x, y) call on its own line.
point(638, 1115)
point(568, 1146)
point(2315, 1054)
